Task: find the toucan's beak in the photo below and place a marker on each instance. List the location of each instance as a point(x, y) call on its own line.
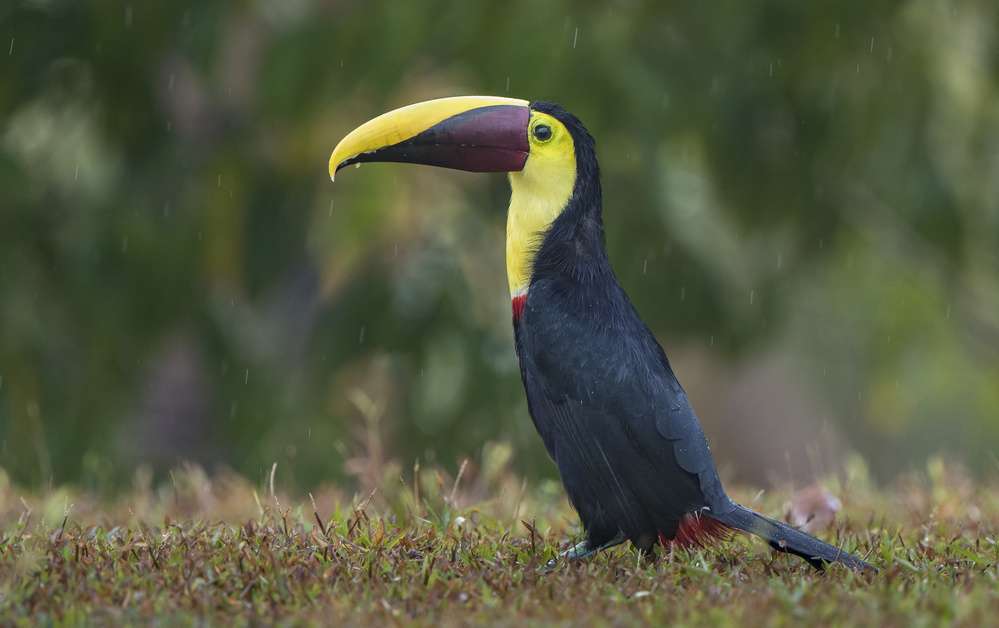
point(473, 133)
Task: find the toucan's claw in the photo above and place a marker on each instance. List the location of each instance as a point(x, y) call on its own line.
point(584, 550)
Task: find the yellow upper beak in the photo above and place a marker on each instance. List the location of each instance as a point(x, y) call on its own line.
point(475, 133)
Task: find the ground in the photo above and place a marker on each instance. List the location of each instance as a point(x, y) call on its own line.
point(196, 548)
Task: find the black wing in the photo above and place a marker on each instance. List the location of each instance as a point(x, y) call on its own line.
point(630, 450)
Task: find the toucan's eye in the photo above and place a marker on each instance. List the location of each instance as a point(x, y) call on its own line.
point(543, 132)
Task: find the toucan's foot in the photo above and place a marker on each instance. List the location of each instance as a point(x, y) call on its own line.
point(585, 550)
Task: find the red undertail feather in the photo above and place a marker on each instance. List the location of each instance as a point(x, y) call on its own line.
point(698, 531)
point(518, 306)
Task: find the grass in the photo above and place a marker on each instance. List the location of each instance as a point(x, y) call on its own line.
point(432, 550)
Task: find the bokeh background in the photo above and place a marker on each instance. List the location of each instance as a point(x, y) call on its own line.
point(802, 199)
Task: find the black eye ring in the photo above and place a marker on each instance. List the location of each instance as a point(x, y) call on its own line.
point(543, 132)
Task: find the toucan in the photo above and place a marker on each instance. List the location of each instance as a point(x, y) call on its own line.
point(633, 458)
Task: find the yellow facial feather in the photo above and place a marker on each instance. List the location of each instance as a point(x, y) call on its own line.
point(539, 194)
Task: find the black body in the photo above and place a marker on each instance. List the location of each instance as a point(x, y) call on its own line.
point(629, 448)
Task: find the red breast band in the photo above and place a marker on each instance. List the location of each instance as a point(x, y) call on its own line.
point(517, 304)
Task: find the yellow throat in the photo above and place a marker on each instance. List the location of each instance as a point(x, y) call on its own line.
point(539, 194)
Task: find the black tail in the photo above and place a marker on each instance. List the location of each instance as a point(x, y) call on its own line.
point(784, 538)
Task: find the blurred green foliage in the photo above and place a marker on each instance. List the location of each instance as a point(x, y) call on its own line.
point(180, 280)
